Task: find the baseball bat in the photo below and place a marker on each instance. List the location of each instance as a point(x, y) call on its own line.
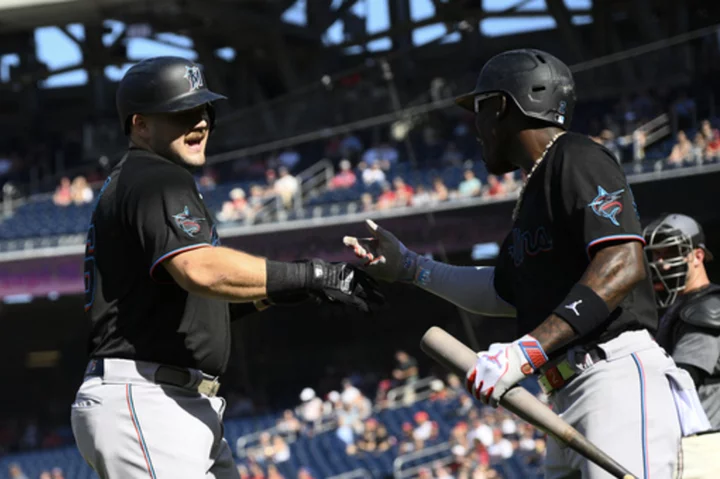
point(458, 358)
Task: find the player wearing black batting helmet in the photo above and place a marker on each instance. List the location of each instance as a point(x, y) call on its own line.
point(690, 325)
point(158, 284)
point(571, 272)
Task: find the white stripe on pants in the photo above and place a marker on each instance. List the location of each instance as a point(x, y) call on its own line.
point(127, 427)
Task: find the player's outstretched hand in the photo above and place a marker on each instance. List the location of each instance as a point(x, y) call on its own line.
point(386, 258)
point(343, 283)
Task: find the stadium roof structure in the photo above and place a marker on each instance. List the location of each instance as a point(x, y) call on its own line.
point(280, 69)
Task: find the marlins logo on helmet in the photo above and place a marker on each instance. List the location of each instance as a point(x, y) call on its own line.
point(607, 205)
point(194, 76)
point(188, 223)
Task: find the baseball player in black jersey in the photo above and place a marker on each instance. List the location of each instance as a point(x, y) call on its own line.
point(157, 289)
point(571, 271)
point(690, 326)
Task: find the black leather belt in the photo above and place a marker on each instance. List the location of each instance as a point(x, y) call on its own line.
point(167, 375)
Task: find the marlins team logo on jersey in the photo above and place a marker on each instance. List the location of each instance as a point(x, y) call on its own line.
point(188, 223)
point(607, 205)
point(194, 77)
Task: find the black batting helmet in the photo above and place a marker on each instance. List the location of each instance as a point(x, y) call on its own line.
point(541, 85)
point(163, 85)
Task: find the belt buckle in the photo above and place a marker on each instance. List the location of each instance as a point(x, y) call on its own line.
point(209, 388)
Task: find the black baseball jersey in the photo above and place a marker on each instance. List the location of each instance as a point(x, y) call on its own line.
point(577, 201)
point(148, 210)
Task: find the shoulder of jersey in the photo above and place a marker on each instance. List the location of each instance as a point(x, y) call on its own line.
point(705, 312)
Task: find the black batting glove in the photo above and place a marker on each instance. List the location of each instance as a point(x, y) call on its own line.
point(343, 283)
point(322, 281)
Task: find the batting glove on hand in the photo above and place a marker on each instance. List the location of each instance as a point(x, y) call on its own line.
point(342, 283)
point(386, 258)
point(502, 366)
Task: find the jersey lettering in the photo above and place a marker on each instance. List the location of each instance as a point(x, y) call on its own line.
point(529, 243)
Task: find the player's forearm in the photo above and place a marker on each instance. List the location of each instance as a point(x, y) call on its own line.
point(611, 275)
point(468, 287)
point(221, 273)
point(615, 271)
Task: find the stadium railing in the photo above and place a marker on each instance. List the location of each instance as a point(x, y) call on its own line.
point(245, 443)
point(407, 394)
point(360, 473)
point(435, 455)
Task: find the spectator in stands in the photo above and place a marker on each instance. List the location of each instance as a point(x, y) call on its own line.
point(381, 393)
point(345, 178)
point(699, 148)
point(281, 451)
point(310, 409)
point(256, 200)
point(15, 472)
point(375, 438)
point(45, 475)
point(348, 425)
point(387, 199)
point(441, 472)
point(403, 193)
point(681, 152)
point(501, 448)
point(332, 404)
point(286, 186)
point(466, 405)
point(236, 208)
point(207, 180)
point(407, 443)
point(482, 432)
point(608, 140)
point(494, 188)
point(527, 438)
point(470, 186)
point(264, 451)
point(289, 425)
point(438, 391)
point(454, 386)
point(440, 192)
point(712, 140)
point(387, 154)
point(508, 426)
point(256, 472)
point(243, 471)
point(80, 191)
point(511, 184)
point(423, 430)
point(406, 368)
point(273, 473)
point(451, 156)
point(289, 159)
point(350, 394)
point(304, 473)
point(57, 473)
point(373, 174)
point(63, 193)
point(366, 201)
point(422, 197)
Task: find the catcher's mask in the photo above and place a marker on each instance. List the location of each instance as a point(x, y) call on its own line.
point(669, 242)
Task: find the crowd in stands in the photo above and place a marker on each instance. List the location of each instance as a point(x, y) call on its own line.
point(480, 438)
point(77, 192)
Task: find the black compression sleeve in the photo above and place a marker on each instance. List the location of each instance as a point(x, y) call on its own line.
point(697, 374)
point(283, 278)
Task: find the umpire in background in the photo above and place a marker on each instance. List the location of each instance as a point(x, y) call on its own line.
point(690, 327)
point(157, 289)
